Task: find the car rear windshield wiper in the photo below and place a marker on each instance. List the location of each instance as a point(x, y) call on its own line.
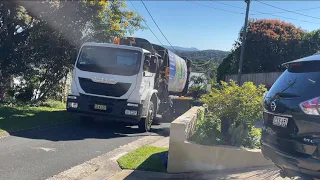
point(286, 95)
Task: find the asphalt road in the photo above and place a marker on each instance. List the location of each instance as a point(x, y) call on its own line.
point(43, 153)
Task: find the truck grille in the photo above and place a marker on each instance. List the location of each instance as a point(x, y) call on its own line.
point(114, 106)
point(114, 90)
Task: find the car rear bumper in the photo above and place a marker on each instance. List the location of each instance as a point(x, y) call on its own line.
point(294, 165)
point(115, 108)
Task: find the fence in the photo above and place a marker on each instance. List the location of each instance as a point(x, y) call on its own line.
point(257, 78)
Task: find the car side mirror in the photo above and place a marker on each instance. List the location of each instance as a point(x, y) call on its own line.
point(74, 55)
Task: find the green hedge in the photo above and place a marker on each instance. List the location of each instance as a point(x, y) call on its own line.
point(231, 113)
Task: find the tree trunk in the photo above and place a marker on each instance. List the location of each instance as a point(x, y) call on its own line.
point(225, 125)
point(5, 82)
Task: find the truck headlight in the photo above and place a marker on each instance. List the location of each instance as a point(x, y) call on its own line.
point(72, 105)
point(72, 97)
point(131, 112)
point(132, 105)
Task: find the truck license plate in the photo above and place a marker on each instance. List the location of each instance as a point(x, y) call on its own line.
point(280, 121)
point(100, 107)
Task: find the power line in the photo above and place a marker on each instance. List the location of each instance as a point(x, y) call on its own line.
point(157, 25)
point(271, 14)
point(306, 9)
point(227, 5)
point(216, 8)
point(287, 10)
point(146, 24)
point(286, 17)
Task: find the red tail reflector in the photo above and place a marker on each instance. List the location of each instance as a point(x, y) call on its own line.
point(311, 106)
point(295, 64)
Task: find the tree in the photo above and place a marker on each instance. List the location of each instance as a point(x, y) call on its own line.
point(198, 86)
point(15, 27)
point(48, 31)
point(269, 43)
point(114, 21)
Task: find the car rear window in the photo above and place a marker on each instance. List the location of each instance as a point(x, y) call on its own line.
point(299, 80)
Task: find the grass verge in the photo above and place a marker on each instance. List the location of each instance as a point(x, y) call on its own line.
point(23, 118)
point(147, 158)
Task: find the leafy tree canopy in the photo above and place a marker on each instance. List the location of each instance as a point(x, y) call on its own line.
point(37, 37)
point(269, 44)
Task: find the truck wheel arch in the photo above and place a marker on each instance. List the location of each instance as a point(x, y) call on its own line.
point(152, 96)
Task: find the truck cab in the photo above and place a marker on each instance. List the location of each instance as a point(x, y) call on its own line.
point(116, 82)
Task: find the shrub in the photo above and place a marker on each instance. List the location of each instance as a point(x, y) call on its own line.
point(235, 108)
point(53, 104)
point(207, 130)
point(196, 91)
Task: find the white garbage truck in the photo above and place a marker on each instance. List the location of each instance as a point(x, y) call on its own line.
point(130, 80)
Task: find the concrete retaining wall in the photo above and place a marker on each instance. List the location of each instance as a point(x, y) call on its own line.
point(187, 156)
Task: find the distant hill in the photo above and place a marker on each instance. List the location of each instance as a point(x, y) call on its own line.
point(178, 48)
point(203, 61)
point(204, 55)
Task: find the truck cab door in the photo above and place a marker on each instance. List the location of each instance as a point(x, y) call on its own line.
point(148, 78)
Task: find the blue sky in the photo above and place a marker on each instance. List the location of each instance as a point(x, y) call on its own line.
point(191, 25)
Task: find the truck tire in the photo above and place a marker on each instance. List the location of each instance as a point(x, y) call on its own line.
point(145, 123)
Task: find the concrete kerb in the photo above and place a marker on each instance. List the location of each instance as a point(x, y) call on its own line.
point(104, 166)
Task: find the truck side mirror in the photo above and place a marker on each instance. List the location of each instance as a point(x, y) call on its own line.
point(74, 55)
point(146, 65)
point(153, 65)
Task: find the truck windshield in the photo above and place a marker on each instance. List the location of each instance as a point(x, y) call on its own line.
point(109, 60)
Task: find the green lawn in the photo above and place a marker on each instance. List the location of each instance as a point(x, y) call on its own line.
point(22, 118)
point(145, 158)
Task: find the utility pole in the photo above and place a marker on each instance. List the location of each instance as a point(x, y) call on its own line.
point(244, 34)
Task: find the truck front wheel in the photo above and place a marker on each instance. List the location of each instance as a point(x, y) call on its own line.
point(145, 123)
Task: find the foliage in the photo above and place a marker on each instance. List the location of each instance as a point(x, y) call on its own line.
point(23, 117)
point(204, 61)
point(203, 55)
point(207, 130)
point(146, 158)
point(37, 38)
point(198, 86)
point(237, 108)
point(269, 44)
point(53, 104)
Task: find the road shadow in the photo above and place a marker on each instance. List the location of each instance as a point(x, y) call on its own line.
point(20, 119)
point(64, 126)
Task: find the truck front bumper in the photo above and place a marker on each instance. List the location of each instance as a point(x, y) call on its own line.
point(116, 109)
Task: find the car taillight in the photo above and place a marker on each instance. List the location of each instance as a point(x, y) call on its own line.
point(311, 107)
